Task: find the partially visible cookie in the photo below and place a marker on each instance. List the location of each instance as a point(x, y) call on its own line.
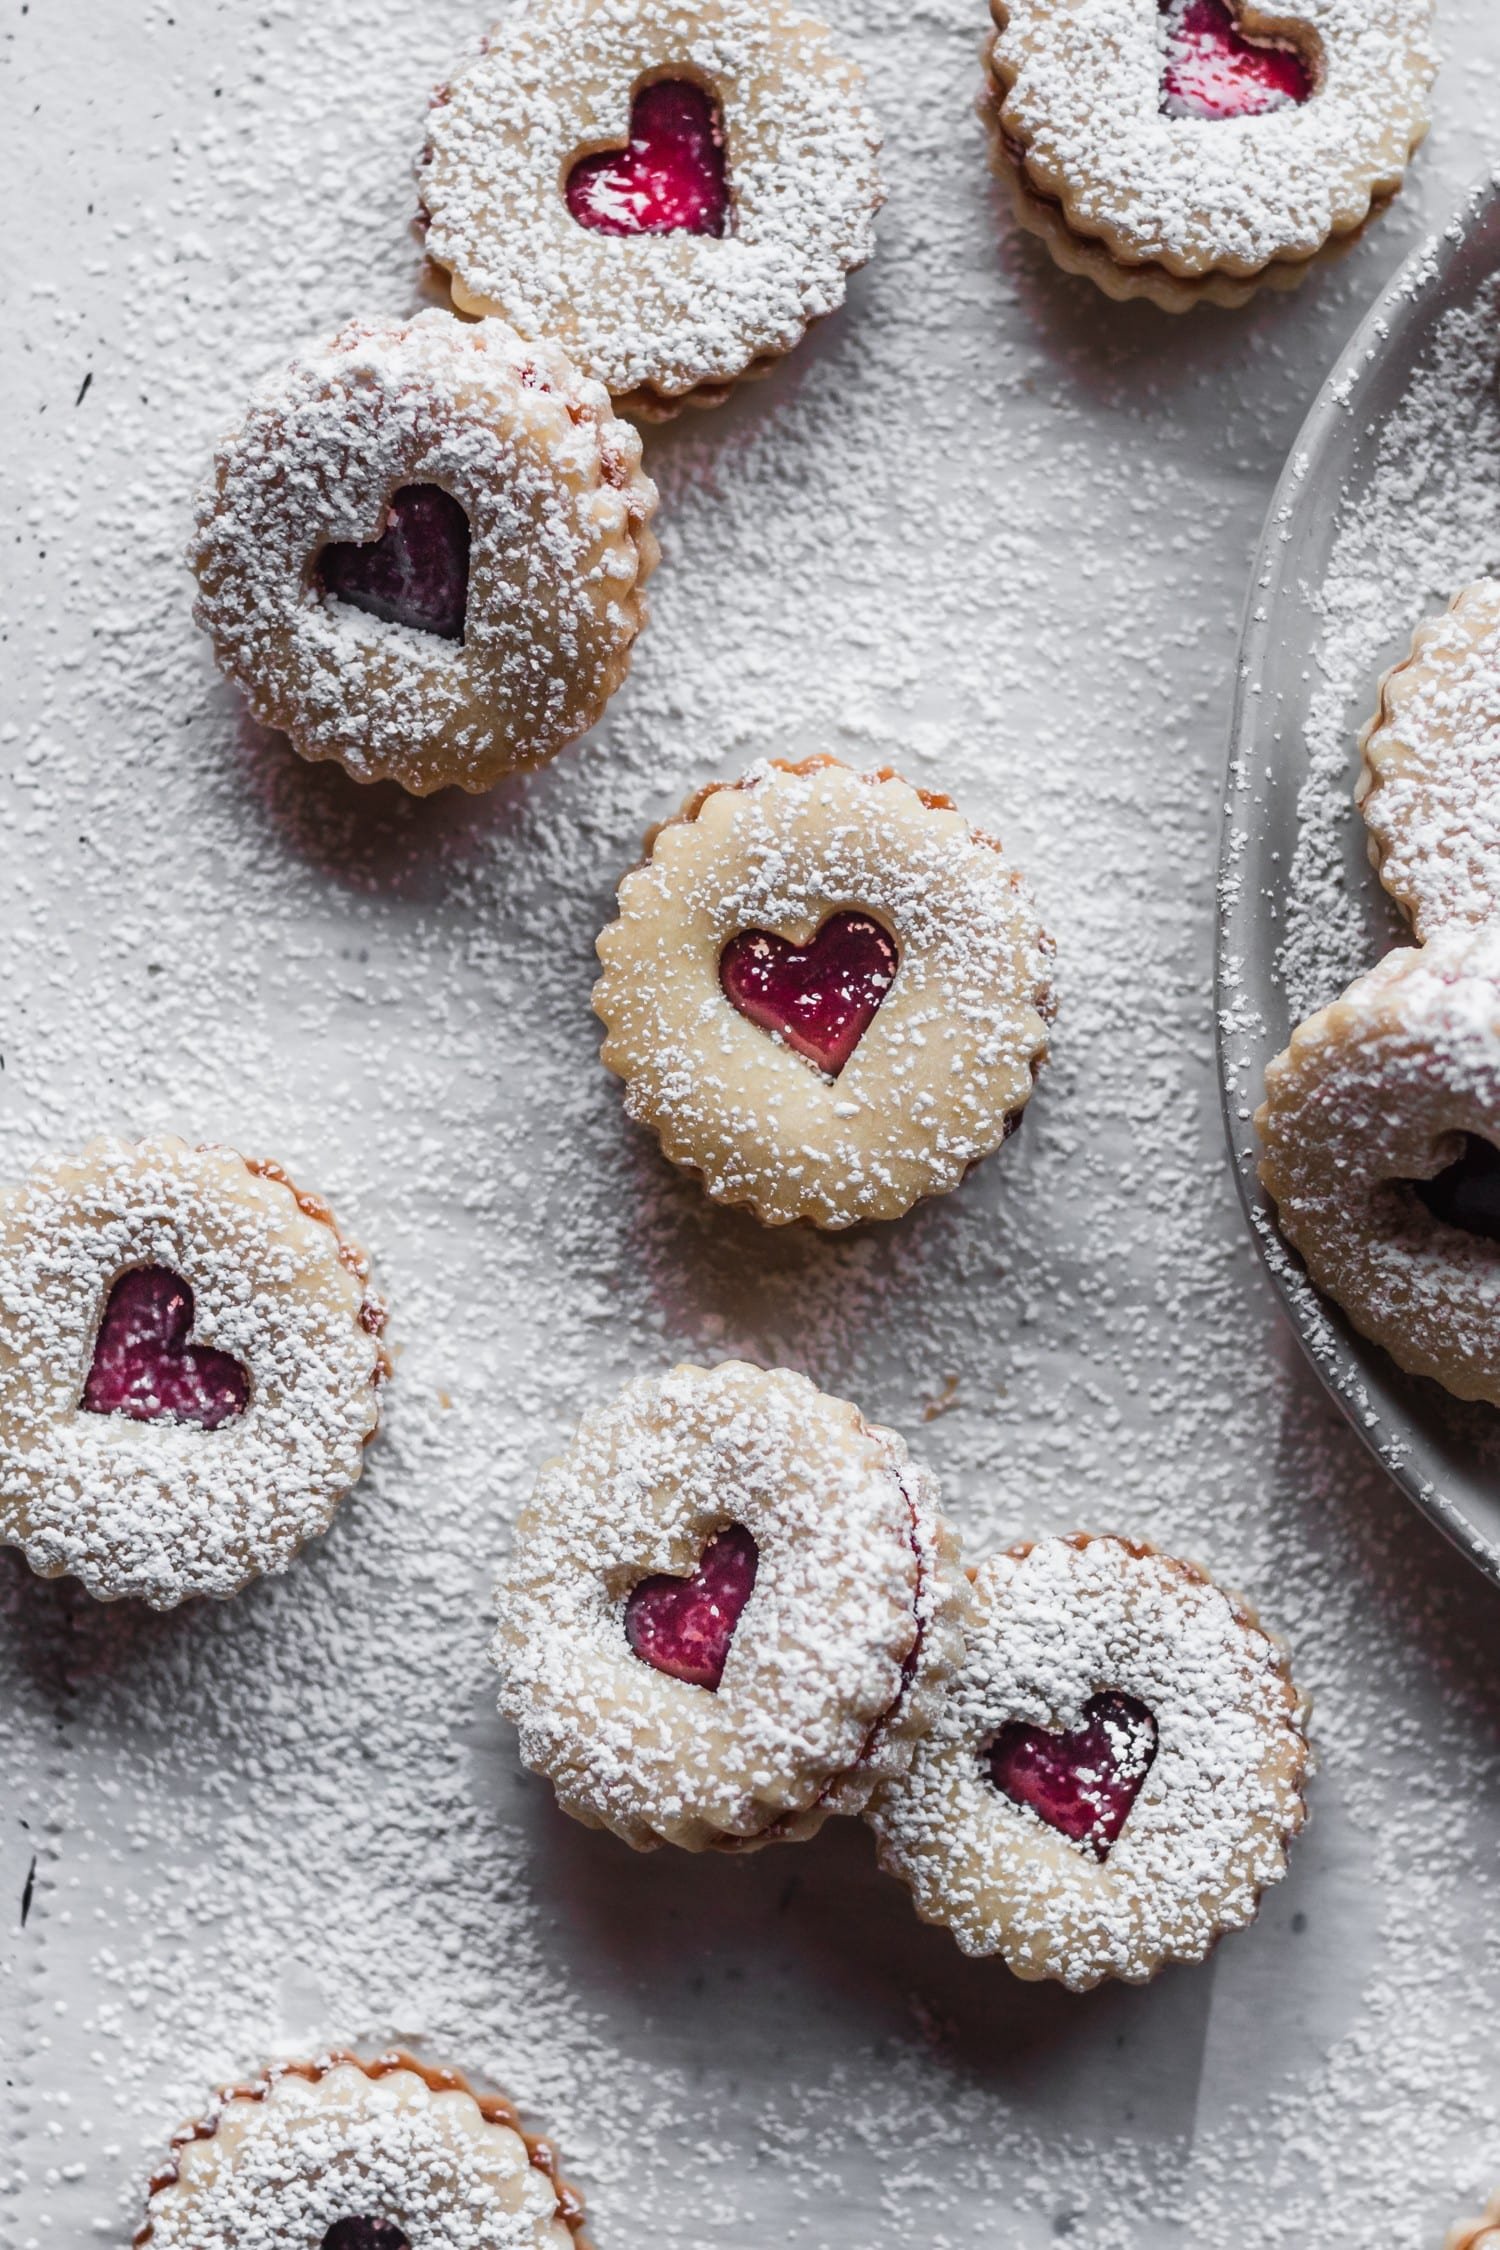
point(341, 2154)
point(1429, 787)
point(190, 1368)
point(1482, 2233)
point(1381, 1137)
point(1197, 151)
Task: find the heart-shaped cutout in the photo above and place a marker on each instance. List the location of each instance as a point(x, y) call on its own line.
point(1083, 1782)
point(685, 1625)
point(1466, 1193)
point(670, 179)
point(144, 1366)
point(364, 2234)
point(821, 998)
point(416, 573)
point(1212, 70)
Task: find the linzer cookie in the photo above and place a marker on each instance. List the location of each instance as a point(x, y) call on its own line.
point(825, 993)
point(1430, 784)
point(422, 552)
point(1114, 1775)
point(347, 2155)
point(190, 1362)
point(675, 194)
point(729, 1613)
point(1191, 151)
point(1381, 1133)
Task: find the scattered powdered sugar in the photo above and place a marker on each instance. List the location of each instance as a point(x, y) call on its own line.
point(1083, 103)
point(661, 314)
point(1051, 1628)
point(853, 1591)
point(559, 550)
point(993, 531)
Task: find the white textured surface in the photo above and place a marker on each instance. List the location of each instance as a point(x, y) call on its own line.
point(990, 529)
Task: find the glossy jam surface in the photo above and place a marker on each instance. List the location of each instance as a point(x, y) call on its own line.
point(685, 1625)
point(821, 997)
point(416, 573)
point(1083, 1783)
point(364, 2234)
point(1467, 1194)
point(669, 180)
point(1213, 71)
point(144, 1366)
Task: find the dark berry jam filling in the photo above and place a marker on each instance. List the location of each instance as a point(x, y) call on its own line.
point(669, 180)
point(364, 2234)
point(685, 1625)
point(1467, 1193)
point(416, 573)
point(1083, 1783)
point(1213, 71)
point(144, 1366)
point(822, 997)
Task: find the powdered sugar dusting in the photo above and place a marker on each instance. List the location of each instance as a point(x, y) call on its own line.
point(983, 527)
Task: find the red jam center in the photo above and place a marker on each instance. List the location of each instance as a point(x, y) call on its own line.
point(685, 1625)
point(416, 573)
point(1212, 70)
point(364, 2234)
point(1083, 1783)
point(821, 998)
point(145, 1367)
point(1467, 1194)
point(669, 180)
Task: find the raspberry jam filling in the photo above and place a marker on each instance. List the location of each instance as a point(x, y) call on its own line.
point(1212, 70)
point(669, 180)
point(364, 2234)
point(144, 1366)
point(416, 573)
point(1083, 1783)
point(1467, 1193)
point(685, 1625)
point(820, 998)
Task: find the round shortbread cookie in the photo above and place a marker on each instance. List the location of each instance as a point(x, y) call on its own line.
point(830, 1648)
point(422, 552)
point(190, 1360)
point(1380, 1129)
point(825, 992)
point(1115, 1773)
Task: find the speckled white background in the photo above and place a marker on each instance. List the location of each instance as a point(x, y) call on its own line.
point(988, 528)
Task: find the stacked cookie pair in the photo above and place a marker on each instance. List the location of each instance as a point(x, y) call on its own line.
point(734, 1610)
point(423, 553)
point(1381, 1123)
